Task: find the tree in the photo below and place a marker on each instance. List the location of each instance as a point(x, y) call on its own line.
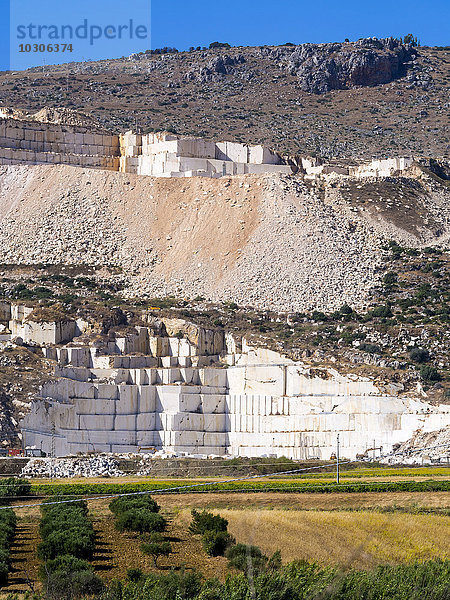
point(219, 45)
point(156, 547)
point(411, 39)
point(206, 521)
point(248, 559)
point(140, 520)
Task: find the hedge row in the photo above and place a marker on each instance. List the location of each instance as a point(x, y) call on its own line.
point(68, 542)
point(137, 513)
point(85, 489)
point(7, 531)
point(66, 529)
point(11, 487)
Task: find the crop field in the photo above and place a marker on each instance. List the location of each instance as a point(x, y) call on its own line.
point(375, 517)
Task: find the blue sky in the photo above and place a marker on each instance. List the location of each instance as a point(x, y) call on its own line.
point(183, 23)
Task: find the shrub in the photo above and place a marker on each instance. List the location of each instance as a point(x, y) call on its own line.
point(68, 585)
point(7, 531)
point(345, 310)
point(126, 503)
point(248, 559)
point(65, 529)
point(371, 348)
point(419, 355)
point(62, 521)
point(66, 562)
point(140, 520)
point(134, 574)
point(216, 542)
point(390, 279)
point(317, 315)
point(206, 521)
point(179, 585)
point(380, 311)
point(78, 541)
point(428, 373)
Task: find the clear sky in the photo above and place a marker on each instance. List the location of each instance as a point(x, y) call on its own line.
point(184, 23)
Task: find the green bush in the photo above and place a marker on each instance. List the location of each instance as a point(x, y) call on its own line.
point(66, 529)
point(7, 531)
point(216, 542)
point(62, 521)
point(126, 503)
point(380, 311)
point(68, 585)
point(295, 581)
point(176, 585)
point(134, 574)
point(206, 521)
point(78, 541)
point(66, 562)
point(419, 355)
point(370, 348)
point(248, 559)
point(140, 520)
point(428, 373)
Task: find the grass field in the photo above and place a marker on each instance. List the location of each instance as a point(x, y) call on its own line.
point(360, 530)
point(350, 539)
point(349, 530)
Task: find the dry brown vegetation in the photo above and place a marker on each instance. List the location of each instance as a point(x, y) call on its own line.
point(349, 539)
point(269, 107)
point(345, 529)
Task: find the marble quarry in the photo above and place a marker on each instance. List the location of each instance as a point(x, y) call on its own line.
point(207, 393)
point(166, 155)
point(162, 154)
point(157, 154)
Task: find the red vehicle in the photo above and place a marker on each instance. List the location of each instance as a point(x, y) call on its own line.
point(15, 452)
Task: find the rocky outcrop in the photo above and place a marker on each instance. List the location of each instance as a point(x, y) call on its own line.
point(215, 69)
point(367, 62)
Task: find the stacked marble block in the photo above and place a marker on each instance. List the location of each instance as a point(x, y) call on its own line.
point(212, 395)
point(166, 155)
point(382, 168)
point(48, 143)
point(120, 403)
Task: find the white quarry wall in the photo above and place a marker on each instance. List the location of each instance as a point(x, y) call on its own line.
point(159, 154)
point(165, 155)
point(261, 403)
point(382, 168)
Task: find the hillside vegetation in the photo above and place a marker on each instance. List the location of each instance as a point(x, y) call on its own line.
point(353, 100)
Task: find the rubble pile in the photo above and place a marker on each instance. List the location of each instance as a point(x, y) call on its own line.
point(60, 468)
point(423, 448)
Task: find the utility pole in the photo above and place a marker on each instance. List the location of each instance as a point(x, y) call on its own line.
point(52, 450)
point(337, 458)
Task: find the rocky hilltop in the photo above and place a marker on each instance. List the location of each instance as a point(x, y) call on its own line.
point(321, 68)
point(354, 100)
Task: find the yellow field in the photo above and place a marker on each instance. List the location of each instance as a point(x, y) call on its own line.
point(357, 539)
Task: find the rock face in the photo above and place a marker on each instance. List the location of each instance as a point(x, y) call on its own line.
point(321, 68)
point(216, 68)
point(218, 396)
